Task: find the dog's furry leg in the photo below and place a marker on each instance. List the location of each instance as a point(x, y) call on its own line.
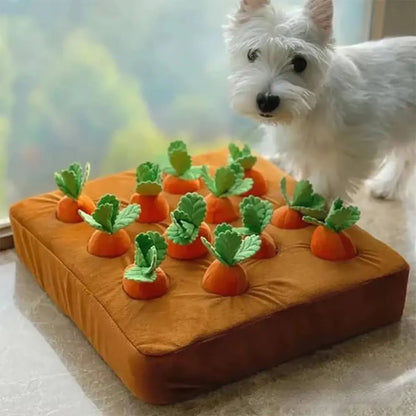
point(393, 179)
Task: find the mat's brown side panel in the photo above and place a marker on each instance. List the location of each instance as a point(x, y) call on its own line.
point(282, 336)
point(71, 296)
point(230, 356)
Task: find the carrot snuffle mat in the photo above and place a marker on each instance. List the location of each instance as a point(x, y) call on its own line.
point(190, 276)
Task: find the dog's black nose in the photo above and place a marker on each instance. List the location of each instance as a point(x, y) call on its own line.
point(267, 102)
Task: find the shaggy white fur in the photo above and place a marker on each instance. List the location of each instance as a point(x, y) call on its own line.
point(340, 112)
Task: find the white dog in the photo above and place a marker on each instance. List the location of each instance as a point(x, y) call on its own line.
point(336, 113)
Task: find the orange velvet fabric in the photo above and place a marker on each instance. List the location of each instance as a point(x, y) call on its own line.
point(189, 341)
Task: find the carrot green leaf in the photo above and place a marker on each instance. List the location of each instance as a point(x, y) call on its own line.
point(107, 216)
point(126, 217)
point(256, 214)
point(248, 248)
point(305, 200)
point(339, 218)
point(187, 219)
point(220, 228)
point(71, 181)
point(151, 250)
point(230, 248)
point(148, 179)
point(242, 156)
point(228, 181)
point(181, 162)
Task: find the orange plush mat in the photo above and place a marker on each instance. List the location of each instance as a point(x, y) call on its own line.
point(188, 341)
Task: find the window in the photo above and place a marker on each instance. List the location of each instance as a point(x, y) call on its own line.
point(111, 81)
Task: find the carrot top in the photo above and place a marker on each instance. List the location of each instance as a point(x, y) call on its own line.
point(256, 214)
point(242, 156)
point(71, 181)
point(108, 218)
point(187, 219)
point(305, 200)
point(339, 217)
point(228, 181)
point(229, 247)
point(148, 179)
point(151, 250)
point(181, 162)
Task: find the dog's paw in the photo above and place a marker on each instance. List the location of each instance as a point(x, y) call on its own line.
point(382, 190)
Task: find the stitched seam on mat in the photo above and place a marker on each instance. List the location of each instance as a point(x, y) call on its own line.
point(86, 290)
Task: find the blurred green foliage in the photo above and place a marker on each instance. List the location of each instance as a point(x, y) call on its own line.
point(110, 82)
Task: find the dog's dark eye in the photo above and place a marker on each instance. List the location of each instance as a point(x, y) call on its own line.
point(299, 64)
point(253, 54)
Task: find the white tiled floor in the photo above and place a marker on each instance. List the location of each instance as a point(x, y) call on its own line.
point(48, 368)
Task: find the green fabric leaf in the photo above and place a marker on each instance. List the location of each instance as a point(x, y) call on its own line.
point(341, 217)
point(107, 216)
point(319, 214)
point(221, 228)
point(90, 220)
point(283, 190)
point(209, 182)
point(149, 188)
point(180, 161)
point(312, 220)
point(151, 250)
point(181, 232)
point(240, 187)
point(61, 184)
point(102, 215)
point(71, 181)
point(126, 217)
point(305, 200)
point(140, 274)
point(230, 248)
point(187, 219)
point(195, 206)
point(193, 173)
point(256, 214)
point(148, 179)
point(77, 170)
point(224, 180)
point(249, 246)
point(237, 169)
point(210, 248)
point(228, 180)
point(243, 156)
point(235, 152)
point(226, 246)
point(160, 245)
point(86, 175)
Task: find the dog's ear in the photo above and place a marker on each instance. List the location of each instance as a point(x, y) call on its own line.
point(321, 12)
point(253, 5)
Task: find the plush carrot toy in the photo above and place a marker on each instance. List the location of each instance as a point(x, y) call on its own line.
point(228, 181)
point(110, 239)
point(256, 214)
point(329, 240)
point(154, 206)
point(145, 279)
point(304, 202)
point(181, 177)
point(187, 227)
point(225, 276)
point(71, 181)
point(247, 160)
